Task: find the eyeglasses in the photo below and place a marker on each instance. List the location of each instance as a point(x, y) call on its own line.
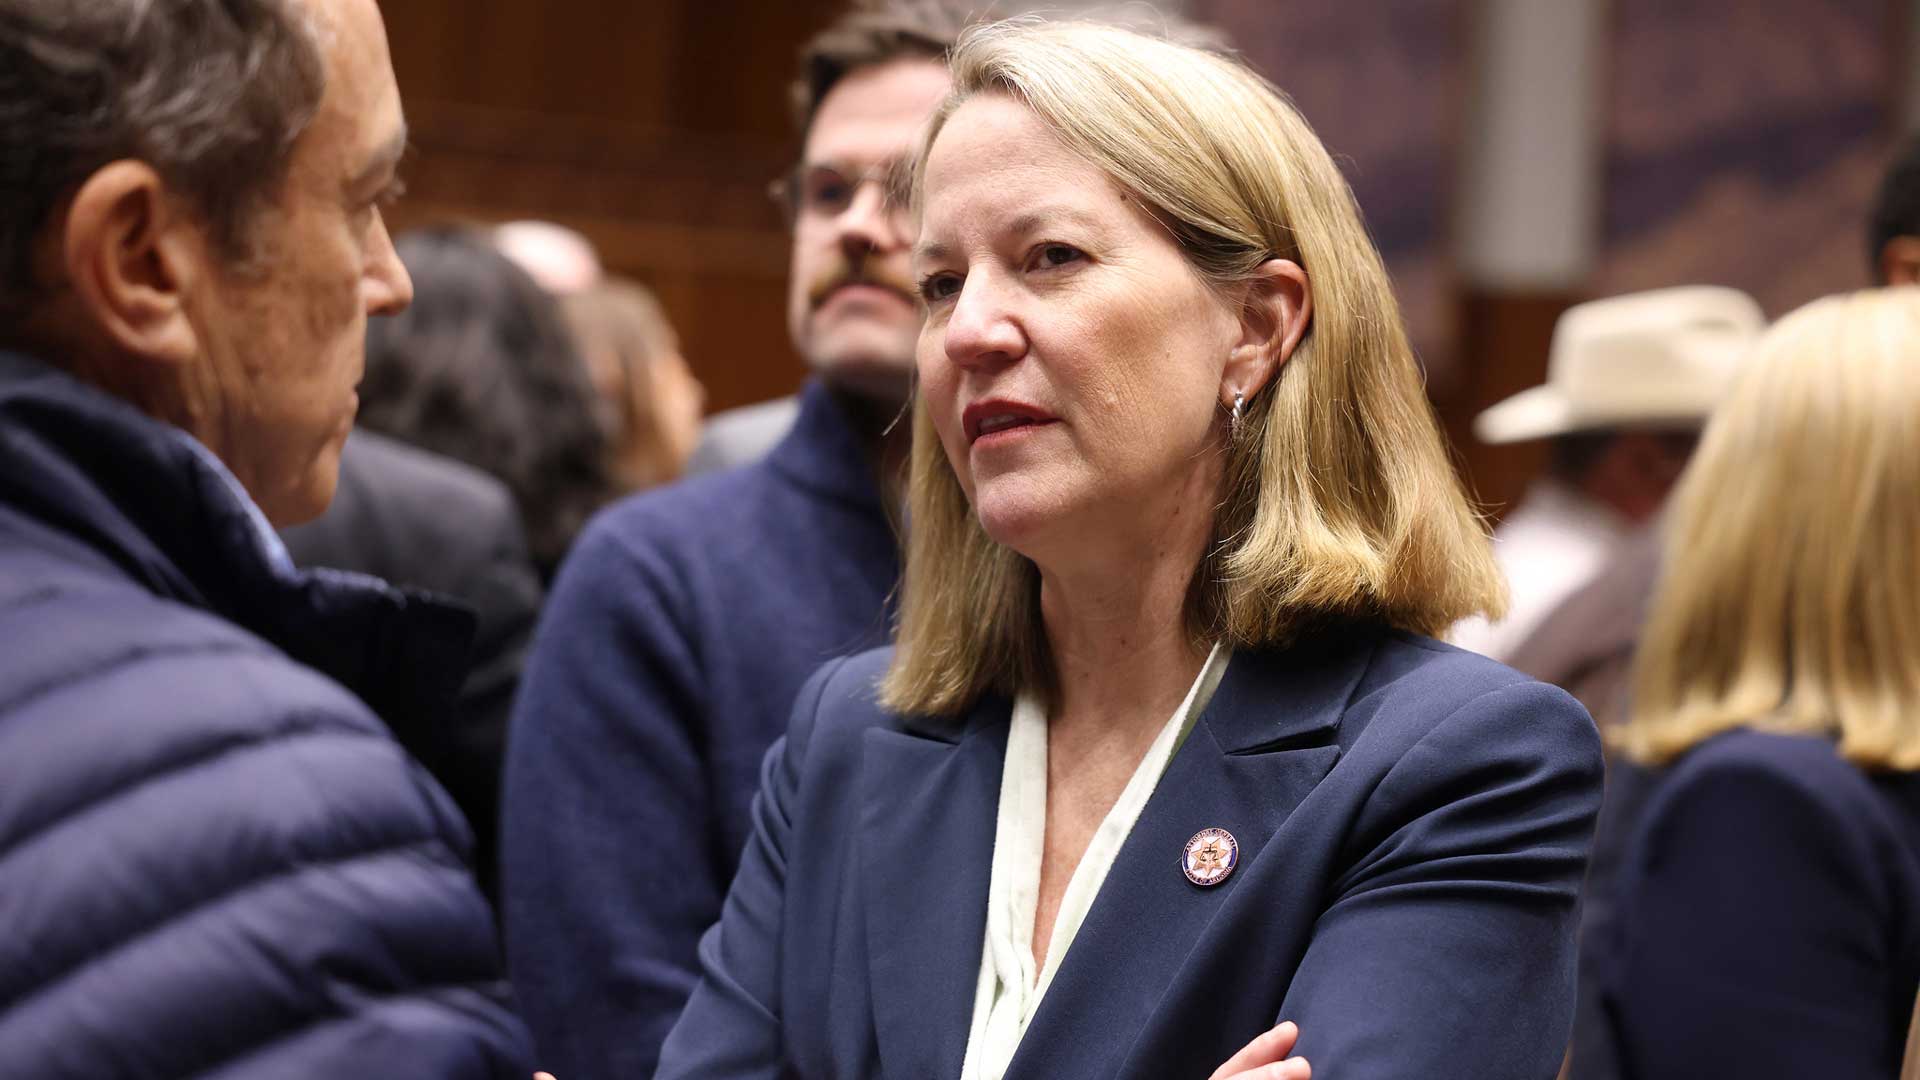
point(822, 192)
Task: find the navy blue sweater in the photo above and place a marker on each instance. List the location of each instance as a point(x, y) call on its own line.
point(675, 640)
point(214, 858)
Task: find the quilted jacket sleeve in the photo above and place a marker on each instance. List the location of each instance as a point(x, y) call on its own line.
point(216, 862)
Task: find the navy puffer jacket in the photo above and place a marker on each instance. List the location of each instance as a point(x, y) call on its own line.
point(215, 860)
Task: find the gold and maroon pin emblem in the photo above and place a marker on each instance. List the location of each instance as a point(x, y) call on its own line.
point(1210, 856)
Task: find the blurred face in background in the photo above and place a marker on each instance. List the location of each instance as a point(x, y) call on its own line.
point(850, 300)
point(654, 402)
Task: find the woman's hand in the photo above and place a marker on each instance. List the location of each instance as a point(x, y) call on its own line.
point(1265, 1058)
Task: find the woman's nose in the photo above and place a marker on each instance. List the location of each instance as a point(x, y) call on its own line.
point(982, 329)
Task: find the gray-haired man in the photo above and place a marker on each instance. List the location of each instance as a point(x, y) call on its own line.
point(214, 859)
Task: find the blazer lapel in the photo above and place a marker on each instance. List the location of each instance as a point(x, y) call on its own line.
point(927, 818)
point(1261, 746)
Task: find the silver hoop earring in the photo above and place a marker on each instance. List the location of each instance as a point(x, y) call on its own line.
point(1239, 407)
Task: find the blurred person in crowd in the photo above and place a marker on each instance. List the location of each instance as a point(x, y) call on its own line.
point(560, 259)
point(1765, 917)
point(1629, 381)
point(1585, 644)
point(217, 859)
point(687, 619)
point(652, 399)
point(418, 519)
point(483, 368)
point(1181, 518)
point(1893, 233)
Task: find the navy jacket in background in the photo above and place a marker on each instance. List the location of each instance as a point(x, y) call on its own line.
point(1763, 920)
point(214, 859)
point(677, 634)
point(1413, 823)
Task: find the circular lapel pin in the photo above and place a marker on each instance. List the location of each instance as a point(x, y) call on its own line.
point(1210, 856)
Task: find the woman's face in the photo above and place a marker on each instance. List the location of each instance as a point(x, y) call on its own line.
point(1071, 358)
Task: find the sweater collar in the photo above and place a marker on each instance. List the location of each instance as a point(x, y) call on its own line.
point(160, 506)
point(824, 451)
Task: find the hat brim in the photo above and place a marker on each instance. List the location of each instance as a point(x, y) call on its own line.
point(1543, 413)
point(1535, 413)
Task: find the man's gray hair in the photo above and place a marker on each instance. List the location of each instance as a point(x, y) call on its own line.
point(211, 93)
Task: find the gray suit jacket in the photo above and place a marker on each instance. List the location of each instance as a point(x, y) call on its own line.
point(742, 436)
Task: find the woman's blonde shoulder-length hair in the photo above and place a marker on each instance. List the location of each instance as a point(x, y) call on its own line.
point(1790, 596)
point(1339, 500)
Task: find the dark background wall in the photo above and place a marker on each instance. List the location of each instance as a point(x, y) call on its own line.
point(652, 127)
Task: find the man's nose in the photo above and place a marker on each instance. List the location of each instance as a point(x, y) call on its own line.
point(871, 223)
point(389, 287)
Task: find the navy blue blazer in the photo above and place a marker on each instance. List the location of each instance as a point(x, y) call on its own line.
point(1414, 823)
point(1764, 920)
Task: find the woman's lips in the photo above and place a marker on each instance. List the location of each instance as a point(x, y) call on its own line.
point(997, 436)
point(1000, 420)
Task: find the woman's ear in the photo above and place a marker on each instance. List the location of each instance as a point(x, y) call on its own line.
point(130, 261)
point(1276, 308)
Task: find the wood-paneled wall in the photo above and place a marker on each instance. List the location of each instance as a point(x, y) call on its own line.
point(651, 127)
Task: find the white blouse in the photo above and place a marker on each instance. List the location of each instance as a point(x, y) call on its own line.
point(1009, 989)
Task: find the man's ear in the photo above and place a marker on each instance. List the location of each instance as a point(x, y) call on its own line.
point(1900, 261)
point(1275, 311)
point(130, 255)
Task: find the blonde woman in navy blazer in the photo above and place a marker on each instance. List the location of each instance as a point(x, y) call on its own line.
point(1164, 755)
point(1764, 917)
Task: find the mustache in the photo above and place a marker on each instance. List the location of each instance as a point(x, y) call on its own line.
point(842, 272)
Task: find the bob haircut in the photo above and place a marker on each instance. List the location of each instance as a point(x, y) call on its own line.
point(1790, 598)
point(1338, 503)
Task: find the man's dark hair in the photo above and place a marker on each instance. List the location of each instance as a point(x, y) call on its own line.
point(879, 31)
point(1897, 211)
point(483, 369)
point(211, 93)
point(875, 32)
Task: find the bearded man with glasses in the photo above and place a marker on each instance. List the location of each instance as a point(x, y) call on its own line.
point(686, 619)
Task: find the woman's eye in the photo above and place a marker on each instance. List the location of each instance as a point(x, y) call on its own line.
point(1052, 255)
point(937, 287)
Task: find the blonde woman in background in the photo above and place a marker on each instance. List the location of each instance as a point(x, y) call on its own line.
point(1765, 919)
point(1165, 755)
point(654, 401)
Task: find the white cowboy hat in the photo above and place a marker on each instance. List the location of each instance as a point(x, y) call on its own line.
point(1659, 358)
